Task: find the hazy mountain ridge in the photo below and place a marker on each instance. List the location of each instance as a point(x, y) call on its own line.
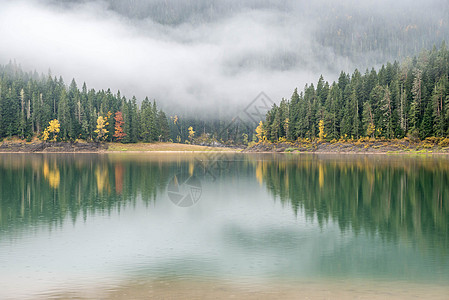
point(195, 55)
point(365, 34)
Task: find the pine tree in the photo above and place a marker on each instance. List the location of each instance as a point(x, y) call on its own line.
point(368, 120)
point(438, 101)
point(427, 124)
point(146, 120)
point(165, 129)
point(415, 110)
point(293, 116)
point(127, 121)
point(155, 126)
point(275, 127)
point(386, 109)
point(134, 113)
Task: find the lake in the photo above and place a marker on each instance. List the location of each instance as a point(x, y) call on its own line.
point(180, 225)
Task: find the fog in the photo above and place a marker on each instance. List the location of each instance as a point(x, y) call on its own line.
point(198, 55)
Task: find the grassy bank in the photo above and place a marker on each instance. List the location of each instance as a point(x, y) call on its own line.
point(363, 145)
point(21, 146)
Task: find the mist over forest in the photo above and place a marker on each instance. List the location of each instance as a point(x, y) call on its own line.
point(199, 55)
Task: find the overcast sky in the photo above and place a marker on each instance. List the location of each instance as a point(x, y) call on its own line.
point(197, 54)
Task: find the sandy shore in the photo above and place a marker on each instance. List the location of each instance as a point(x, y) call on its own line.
point(82, 147)
point(165, 289)
point(323, 148)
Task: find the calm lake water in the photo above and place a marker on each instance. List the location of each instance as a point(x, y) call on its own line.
point(107, 223)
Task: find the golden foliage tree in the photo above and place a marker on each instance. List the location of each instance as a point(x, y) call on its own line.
point(370, 130)
point(101, 131)
point(191, 133)
point(260, 132)
point(321, 134)
point(54, 127)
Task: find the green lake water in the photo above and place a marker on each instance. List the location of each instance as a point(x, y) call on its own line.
point(72, 222)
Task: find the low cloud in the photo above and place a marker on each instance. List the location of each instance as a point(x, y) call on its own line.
point(186, 61)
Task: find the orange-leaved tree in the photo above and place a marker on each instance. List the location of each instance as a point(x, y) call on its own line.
point(119, 133)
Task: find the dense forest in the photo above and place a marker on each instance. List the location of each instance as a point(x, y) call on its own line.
point(29, 101)
point(400, 99)
point(409, 99)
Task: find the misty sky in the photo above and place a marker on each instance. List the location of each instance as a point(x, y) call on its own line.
point(201, 54)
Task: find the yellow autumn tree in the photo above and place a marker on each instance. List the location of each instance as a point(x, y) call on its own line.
point(101, 131)
point(260, 132)
point(321, 134)
point(370, 130)
point(191, 133)
point(54, 127)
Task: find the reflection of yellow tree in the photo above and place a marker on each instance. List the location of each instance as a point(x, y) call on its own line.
point(321, 175)
point(191, 167)
point(53, 176)
point(260, 171)
point(45, 169)
point(101, 173)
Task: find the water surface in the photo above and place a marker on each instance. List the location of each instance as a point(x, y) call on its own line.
point(109, 223)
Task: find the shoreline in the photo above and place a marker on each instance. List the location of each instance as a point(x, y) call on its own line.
point(438, 146)
point(400, 147)
point(238, 152)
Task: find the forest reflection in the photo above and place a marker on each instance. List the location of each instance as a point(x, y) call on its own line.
point(394, 196)
point(48, 188)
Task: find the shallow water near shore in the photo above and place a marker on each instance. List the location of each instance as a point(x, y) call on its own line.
point(223, 225)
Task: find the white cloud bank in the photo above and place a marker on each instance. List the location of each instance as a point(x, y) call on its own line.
point(224, 63)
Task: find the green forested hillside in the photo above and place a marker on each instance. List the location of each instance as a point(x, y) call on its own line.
point(409, 98)
point(29, 101)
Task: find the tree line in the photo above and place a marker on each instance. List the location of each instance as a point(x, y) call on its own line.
point(32, 104)
point(408, 99)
